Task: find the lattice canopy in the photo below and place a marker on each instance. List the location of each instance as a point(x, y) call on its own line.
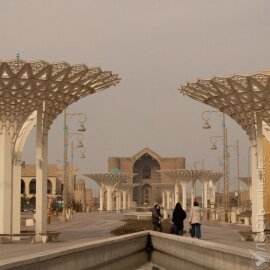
point(164, 186)
point(25, 86)
point(187, 175)
point(109, 178)
point(246, 179)
point(238, 96)
point(215, 176)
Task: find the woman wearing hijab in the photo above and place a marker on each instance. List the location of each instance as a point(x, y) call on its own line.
point(195, 218)
point(179, 216)
point(156, 218)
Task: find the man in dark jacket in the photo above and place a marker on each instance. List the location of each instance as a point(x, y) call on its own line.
point(178, 218)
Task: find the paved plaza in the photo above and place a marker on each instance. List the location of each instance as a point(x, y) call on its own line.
point(86, 227)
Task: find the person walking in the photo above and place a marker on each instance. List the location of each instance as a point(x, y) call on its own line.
point(195, 219)
point(178, 218)
point(156, 218)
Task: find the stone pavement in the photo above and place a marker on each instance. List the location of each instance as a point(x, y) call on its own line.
point(85, 227)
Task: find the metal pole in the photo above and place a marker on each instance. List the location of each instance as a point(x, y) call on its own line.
point(227, 173)
point(72, 172)
point(224, 166)
point(65, 193)
point(238, 174)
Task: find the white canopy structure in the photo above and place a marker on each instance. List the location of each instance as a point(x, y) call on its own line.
point(246, 99)
point(35, 93)
point(113, 182)
point(182, 177)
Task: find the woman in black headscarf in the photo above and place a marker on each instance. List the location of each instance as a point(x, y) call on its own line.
point(179, 216)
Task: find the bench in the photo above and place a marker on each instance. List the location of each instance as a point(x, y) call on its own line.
point(244, 220)
point(252, 236)
point(49, 236)
point(7, 238)
point(246, 235)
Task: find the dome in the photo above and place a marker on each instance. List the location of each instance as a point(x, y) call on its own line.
point(116, 171)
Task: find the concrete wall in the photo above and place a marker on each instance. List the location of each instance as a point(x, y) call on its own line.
point(170, 252)
point(83, 256)
point(206, 255)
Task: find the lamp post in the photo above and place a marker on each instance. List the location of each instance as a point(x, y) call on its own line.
point(82, 119)
point(206, 116)
point(83, 150)
point(236, 146)
point(195, 163)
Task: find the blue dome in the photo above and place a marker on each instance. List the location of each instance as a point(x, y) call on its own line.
point(116, 171)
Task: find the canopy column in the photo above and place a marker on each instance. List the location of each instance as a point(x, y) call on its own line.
point(124, 199)
point(163, 199)
point(118, 200)
point(184, 197)
point(258, 181)
point(168, 193)
point(109, 198)
point(5, 182)
point(192, 193)
point(205, 194)
point(16, 213)
point(101, 198)
point(176, 193)
point(129, 199)
point(41, 176)
point(212, 187)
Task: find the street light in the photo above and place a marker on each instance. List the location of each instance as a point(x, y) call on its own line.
point(213, 140)
point(82, 119)
point(82, 150)
point(206, 116)
point(236, 146)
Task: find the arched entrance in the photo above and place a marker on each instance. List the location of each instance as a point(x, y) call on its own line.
point(145, 168)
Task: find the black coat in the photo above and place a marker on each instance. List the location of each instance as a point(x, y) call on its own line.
point(179, 216)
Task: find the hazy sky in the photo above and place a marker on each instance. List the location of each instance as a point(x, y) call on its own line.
point(155, 46)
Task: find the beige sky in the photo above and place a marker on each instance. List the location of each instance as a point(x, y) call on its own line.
point(155, 46)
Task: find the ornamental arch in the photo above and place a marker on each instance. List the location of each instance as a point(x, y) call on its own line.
point(145, 168)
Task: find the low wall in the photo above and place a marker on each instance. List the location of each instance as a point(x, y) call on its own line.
point(85, 256)
point(206, 254)
point(122, 252)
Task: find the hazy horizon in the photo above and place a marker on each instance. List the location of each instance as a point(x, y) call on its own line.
point(154, 46)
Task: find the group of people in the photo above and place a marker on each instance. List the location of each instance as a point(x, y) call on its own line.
point(178, 217)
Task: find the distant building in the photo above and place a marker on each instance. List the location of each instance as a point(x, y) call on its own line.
point(145, 165)
point(28, 181)
point(83, 197)
point(54, 185)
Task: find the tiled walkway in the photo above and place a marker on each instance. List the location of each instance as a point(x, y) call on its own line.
point(85, 227)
